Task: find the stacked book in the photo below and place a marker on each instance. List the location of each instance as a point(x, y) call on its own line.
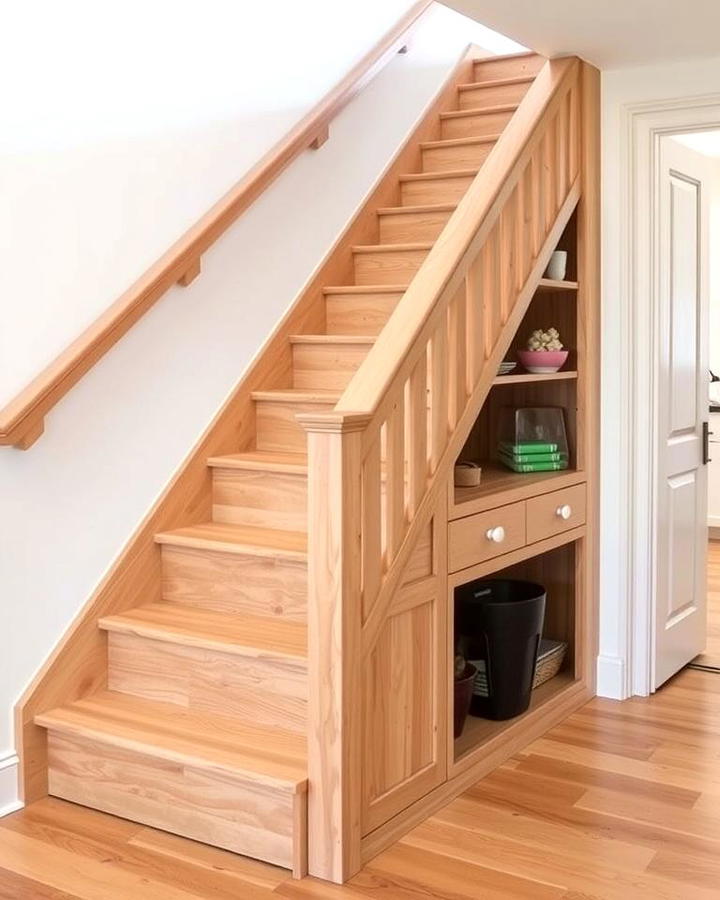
point(532, 456)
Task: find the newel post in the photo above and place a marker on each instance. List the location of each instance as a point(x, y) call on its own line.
point(334, 622)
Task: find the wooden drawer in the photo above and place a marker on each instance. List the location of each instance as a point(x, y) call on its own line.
point(470, 541)
point(550, 514)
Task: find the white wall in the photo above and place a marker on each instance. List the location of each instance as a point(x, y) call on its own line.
point(622, 88)
point(120, 136)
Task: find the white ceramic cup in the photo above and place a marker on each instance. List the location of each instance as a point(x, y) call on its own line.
point(557, 266)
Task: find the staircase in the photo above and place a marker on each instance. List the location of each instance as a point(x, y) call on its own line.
point(200, 728)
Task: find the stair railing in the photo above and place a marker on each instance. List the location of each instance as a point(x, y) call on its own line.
point(379, 459)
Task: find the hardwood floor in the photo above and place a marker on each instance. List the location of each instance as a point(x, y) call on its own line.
point(620, 800)
point(711, 656)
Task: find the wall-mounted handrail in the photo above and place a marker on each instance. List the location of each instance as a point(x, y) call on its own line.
point(22, 420)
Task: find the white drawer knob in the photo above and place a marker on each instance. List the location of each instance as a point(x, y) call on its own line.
point(564, 512)
point(496, 535)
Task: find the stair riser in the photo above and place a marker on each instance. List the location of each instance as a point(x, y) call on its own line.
point(265, 690)
point(492, 95)
point(411, 228)
point(434, 190)
point(262, 499)
point(480, 125)
point(276, 425)
point(448, 159)
point(491, 69)
point(388, 267)
point(229, 582)
point(359, 313)
point(331, 366)
point(216, 808)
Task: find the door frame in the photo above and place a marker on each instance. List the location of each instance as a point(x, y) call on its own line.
point(642, 127)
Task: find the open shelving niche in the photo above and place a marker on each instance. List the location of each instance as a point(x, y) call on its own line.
point(554, 563)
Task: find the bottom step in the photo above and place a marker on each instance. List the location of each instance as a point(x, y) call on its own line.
point(207, 778)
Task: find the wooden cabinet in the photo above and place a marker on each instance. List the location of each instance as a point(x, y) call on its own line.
point(475, 539)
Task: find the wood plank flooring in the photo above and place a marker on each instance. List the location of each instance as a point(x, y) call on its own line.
point(711, 656)
point(620, 800)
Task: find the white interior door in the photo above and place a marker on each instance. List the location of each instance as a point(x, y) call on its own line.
point(682, 403)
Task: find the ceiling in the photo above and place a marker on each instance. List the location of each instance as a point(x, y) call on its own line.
point(610, 34)
point(705, 142)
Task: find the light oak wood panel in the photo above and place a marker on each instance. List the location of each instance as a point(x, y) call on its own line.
point(461, 153)
point(474, 539)
point(389, 264)
point(276, 426)
point(246, 818)
point(329, 363)
point(360, 309)
point(493, 93)
point(435, 187)
point(262, 687)
point(272, 500)
point(507, 66)
point(232, 583)
point(475, 123)
point(711, 656)
point(21, 421)
point(413, 224)
point(552, 513)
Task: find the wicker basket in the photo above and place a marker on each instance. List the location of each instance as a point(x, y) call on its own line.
point(551, 656)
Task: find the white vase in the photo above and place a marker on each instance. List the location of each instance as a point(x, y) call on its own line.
point(557, 266)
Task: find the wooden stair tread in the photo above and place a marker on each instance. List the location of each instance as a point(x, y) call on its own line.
point(415, 210)
point(241, 539)
point(266, 755)
point(480, 111)
point(237, 633)
point(366, 288)
point(433, 176)
point(523, 54)
point(460, 142)
point(496, 82)
point(332, 339)
point(262, 461)
point(391, 248)
point(297, 395)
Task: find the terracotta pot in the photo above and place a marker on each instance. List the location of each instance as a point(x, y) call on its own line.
point(463, 696)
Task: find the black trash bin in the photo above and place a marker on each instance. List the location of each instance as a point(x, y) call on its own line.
point(500, 622)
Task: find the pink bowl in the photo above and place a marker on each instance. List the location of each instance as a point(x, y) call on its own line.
point(542, 362)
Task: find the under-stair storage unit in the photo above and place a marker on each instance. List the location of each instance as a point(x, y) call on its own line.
point(268, 666)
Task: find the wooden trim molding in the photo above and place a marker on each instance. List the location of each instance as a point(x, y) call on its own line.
point(21, 421)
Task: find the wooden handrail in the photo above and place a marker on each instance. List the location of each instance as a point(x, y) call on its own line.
point(468, 226)
point(22, 420)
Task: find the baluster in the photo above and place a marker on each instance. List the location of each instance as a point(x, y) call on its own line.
point(536, 202)
point(395, 478)
point(457, 357)
point(417, 435)
point(573, 135)
point(475, 303)
point(548, 178)
point(562, 120)
point(489, 288)
point(438, 394)
point(506, 259)
point(372, 551)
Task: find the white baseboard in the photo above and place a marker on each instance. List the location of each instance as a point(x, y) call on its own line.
point(8, 784)
point(611, 680)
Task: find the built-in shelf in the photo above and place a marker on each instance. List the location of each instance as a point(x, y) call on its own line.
point(497, 481)
point(548, 284)
point(479, 731)
point(530, 377)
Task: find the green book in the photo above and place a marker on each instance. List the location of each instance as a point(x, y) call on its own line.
point(532, 457)
point(528, 447)
point(534, 467)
